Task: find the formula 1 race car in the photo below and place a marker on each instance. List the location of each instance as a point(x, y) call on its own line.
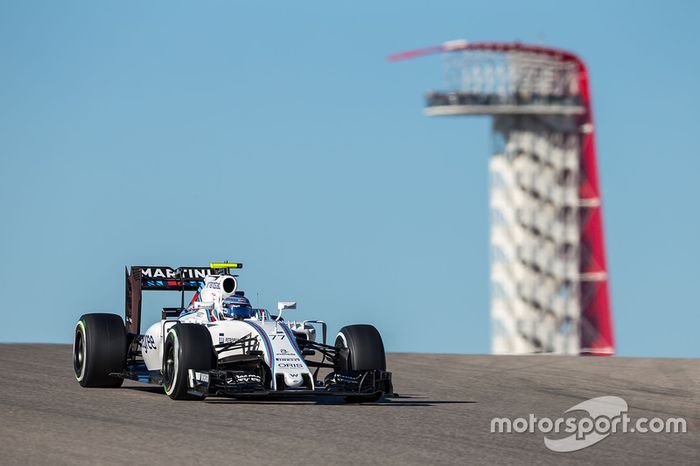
point(219, 345)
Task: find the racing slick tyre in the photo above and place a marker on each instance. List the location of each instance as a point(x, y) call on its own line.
point(187, 346)
point(99, 349)
point(365, 352)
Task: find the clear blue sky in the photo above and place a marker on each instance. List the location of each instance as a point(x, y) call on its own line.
point(277, 135)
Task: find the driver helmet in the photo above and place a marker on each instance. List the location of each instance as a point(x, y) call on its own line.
point(237, 307)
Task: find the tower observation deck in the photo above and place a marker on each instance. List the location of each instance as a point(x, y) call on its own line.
point(549, 281)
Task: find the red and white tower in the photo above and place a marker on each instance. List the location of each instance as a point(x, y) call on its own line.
point(549, 281)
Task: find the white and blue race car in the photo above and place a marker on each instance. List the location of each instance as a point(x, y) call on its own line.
point(219, 345)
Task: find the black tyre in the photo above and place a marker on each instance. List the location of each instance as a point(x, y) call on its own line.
point(99, 349)
point(187, 346)
point(365, 348)
point(365, 351)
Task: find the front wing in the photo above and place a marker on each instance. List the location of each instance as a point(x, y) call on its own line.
point(359, 384)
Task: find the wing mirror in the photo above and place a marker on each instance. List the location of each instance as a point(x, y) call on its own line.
point(283, 306)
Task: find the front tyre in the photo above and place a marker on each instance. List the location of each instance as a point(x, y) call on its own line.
point(364, 351)
point(99, 349)
point(187, 346)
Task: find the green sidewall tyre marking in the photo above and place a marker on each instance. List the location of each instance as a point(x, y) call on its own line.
point(172, 380)
point(83, 326)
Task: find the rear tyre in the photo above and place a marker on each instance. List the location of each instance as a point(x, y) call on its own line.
point(365, 352)
point(187, 346)
point(99, 349)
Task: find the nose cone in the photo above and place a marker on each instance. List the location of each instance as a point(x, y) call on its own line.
point(293, 379)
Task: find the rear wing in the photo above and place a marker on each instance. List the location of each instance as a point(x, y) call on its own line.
point(161, 278)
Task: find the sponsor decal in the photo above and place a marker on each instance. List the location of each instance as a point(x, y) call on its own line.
point(169, 283)
point(289, 363)
point(191, 273)
point(148, 342)
point(243, 378)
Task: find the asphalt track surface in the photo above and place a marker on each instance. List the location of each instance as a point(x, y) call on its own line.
point(443, 415)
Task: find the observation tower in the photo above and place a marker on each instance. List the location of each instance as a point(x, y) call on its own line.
point(549, 280)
